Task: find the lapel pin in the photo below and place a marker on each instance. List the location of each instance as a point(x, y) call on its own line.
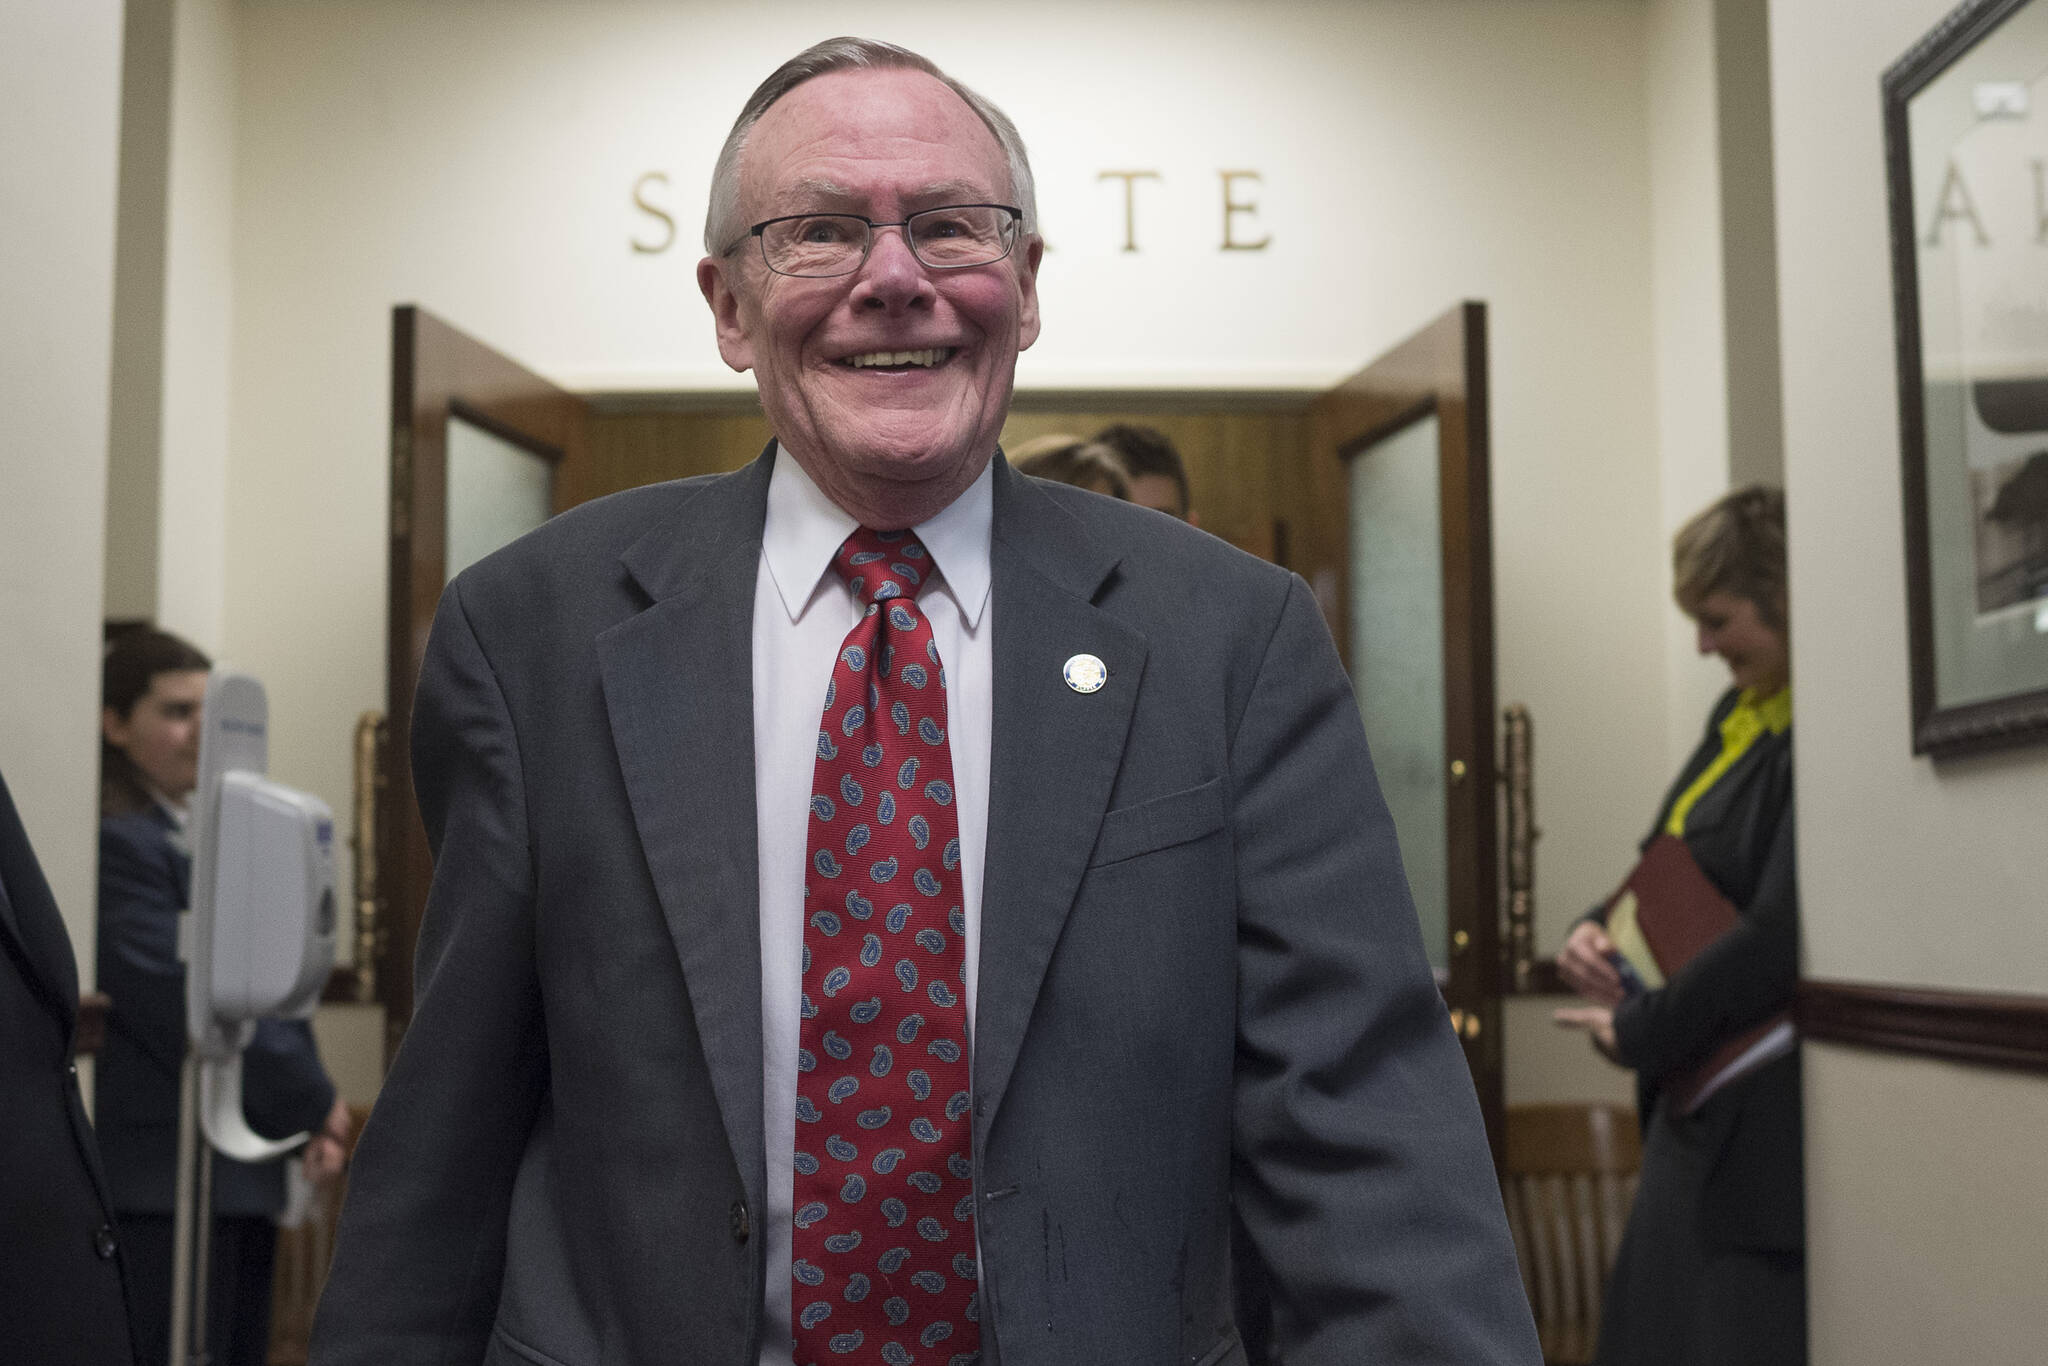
point(1085, 673)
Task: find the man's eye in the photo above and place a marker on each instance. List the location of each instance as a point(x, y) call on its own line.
point(822, 231)
point(941, 227)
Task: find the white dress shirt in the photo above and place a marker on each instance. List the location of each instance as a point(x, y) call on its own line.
point(802, 612)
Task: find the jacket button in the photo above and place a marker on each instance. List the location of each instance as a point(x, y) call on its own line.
point(103, 1242)
point(742, 1225)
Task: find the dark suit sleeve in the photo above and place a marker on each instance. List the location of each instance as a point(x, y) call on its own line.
point(1362, 1181)
point(285, 1090)
point(140, 897)
point(1740, 978)
point(422, 1238)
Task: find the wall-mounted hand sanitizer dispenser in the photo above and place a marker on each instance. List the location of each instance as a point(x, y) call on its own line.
point(273, 911)
point(259, 940)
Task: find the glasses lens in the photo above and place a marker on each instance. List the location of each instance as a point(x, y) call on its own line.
point(961, 235)
point(822, 244)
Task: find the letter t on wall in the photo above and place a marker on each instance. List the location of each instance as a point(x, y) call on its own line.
point(1130, 180)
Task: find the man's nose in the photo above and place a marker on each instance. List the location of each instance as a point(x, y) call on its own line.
point(892, 276)
point(1705, 639)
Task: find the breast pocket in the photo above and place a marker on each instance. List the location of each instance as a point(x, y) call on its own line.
point(1161, 823)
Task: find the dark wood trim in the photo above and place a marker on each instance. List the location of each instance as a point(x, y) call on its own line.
point(436, 372)
point(2008, 1031)
point(1440, 369)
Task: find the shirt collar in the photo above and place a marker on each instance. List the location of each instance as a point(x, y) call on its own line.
point(804, 528)
point(1773, 713)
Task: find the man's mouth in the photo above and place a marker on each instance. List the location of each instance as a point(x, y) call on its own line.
point(927, 359)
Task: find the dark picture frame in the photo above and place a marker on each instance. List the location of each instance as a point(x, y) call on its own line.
point(1966, 134)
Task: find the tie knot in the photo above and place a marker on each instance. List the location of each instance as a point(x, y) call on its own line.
point(879, 565)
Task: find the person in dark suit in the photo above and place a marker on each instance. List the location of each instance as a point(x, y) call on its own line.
point(61, 1295)
point(1711, 1269)
point(891, 909)
point(154, 684)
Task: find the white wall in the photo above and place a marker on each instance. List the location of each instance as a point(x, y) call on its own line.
point(1691, 330)
point(135, 403)
point(197, 323)
point(479, 160)
point(1910, 872)
point(1714, 295)
point(60, 98)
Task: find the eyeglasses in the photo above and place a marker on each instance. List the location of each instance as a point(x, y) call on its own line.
point(821, 245)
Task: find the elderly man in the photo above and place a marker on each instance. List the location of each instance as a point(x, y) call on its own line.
point(891, 910)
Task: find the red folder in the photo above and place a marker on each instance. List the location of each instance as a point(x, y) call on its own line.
point(1679, 913)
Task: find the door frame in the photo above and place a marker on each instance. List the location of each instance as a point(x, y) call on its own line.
point(438, 372)
point(1440, 369)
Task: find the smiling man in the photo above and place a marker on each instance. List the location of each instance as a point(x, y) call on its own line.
point(891, 910)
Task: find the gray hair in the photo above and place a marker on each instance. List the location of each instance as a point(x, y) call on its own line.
point(722, 219)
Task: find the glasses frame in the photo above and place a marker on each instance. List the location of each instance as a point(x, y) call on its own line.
point(1014, 231)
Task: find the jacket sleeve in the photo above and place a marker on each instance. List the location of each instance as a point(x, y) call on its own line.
point(140, 897)
point(421, 1246)
point(1735, 981)
point(285, 1090)
point(1362, 1179)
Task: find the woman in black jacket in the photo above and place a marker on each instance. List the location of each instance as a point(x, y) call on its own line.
point(153, 685)
point(1711, 1270)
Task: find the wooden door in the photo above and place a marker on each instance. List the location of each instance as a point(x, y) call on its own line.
point(482, 449)
point(1399, 549)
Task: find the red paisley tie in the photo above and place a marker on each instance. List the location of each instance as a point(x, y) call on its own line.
point(883, 1256)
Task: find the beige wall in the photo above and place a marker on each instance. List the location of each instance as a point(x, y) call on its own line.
point(173, 298)
point(1927, 1212)
point(135, 403)
point(60, 98)
point(1912, 872)
point(1921, 1212)
point(197, 317)
point(1715, 296)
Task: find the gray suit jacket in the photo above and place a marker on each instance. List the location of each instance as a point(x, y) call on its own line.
point(1201, 987)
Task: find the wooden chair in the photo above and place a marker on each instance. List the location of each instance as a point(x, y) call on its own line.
point(303, 1255)
point(1569, 1179)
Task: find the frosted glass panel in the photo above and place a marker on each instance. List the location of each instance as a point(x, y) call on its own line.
point(1397, 655)
point(497, 492)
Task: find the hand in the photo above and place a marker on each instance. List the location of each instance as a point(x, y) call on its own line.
point(323, 1159)
point(1585, 966)
point(338, 1123)
point(326, 1154)
point(1598, 1022)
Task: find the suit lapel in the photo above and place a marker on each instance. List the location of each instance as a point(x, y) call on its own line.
point(1054, 756)
point(28, 916)
point(678, 688)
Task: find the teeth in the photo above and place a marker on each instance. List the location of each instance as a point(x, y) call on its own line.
point(929, 357)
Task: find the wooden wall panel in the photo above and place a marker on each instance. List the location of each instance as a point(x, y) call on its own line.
point(628, 449)
point(1244, 466)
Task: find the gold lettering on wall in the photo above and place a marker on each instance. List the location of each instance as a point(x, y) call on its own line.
point(1954, 203)
point(655, 211)
point(1233, 207)
point(1130, 180)
point(658, 234)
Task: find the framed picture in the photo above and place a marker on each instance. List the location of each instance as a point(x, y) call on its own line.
point(1966, 147)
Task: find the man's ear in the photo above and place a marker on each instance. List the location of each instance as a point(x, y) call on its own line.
point(1027, 282)
point(113, 728)
point(722, 292)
